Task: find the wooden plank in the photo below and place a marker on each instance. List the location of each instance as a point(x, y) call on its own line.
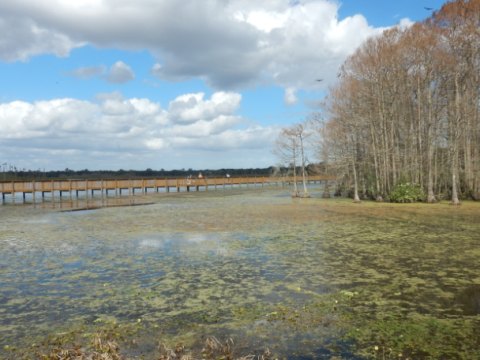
point(101, 185)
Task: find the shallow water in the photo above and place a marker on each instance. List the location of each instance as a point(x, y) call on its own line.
point(307, 278)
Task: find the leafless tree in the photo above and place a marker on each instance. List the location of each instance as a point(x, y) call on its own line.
point(406, 108)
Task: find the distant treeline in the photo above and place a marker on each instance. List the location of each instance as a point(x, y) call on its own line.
point(131, 174)
point(143, 174)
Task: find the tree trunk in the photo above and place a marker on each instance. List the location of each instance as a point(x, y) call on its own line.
point(304, 177)
point(430, 194)
point(455, 138)
point(295, 189)
point(430, 151)
point(356, 198)
point(455, 200)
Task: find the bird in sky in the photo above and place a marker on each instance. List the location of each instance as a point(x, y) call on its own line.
point(428, 8)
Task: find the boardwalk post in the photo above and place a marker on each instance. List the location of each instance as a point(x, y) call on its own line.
point(326, 191)
point(13, 192)
point(61, 186)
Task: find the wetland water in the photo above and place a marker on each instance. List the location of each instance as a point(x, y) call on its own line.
point(307, 278)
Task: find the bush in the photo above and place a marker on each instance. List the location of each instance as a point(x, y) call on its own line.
point(407, 193)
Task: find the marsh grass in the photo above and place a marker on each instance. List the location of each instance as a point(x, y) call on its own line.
point(104, 347)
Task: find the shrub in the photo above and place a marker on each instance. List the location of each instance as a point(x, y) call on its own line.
point(407, 193)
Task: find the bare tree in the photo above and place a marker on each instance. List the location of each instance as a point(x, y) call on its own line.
point(290, 146)
point(407, 108)
point(287, 149)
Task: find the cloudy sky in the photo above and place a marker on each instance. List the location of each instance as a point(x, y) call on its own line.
point(110, 84)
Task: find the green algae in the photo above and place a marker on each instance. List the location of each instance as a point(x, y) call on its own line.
point(302, 276)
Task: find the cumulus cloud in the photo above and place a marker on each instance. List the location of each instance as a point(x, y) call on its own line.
point(290, 97)
point(189, 108)
point(120, 73)
point(405, 23)
point(23, 37)
point(88, 72)
point(114, 126)
point(228, 43)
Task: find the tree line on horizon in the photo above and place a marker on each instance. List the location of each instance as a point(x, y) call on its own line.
point(406, 110)
point(12, 175)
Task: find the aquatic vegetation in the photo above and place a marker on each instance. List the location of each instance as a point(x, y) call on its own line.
point(102, 347)
point(407, 193)
point(302, 277)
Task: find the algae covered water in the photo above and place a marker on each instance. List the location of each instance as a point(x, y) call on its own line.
point(305, 278)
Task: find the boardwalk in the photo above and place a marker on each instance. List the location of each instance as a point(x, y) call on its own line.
point(86, 188)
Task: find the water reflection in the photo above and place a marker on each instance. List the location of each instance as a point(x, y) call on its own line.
point(77, 203)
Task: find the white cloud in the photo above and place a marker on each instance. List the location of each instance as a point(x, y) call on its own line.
point(88, 72)
point(120, 73)
point(113, 127)
point(23, 37)
point(202, 128)
point(191, 107)
point(405, 23)
point(228, 43)
point(290, 97)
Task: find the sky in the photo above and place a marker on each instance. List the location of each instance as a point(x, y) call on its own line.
point(170, 84)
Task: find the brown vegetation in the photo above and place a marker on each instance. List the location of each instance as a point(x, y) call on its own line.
point(103, 347)
point(407, 109)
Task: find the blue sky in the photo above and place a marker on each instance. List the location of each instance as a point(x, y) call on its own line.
point(110, 84)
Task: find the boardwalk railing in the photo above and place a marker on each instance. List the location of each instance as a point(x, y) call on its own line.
point(75, 187)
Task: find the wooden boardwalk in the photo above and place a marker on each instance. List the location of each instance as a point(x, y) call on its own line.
point(86, 188)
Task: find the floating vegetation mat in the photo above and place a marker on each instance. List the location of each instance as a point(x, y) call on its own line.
point(262, 273)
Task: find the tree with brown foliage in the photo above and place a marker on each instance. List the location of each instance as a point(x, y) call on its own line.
point(406, 108)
